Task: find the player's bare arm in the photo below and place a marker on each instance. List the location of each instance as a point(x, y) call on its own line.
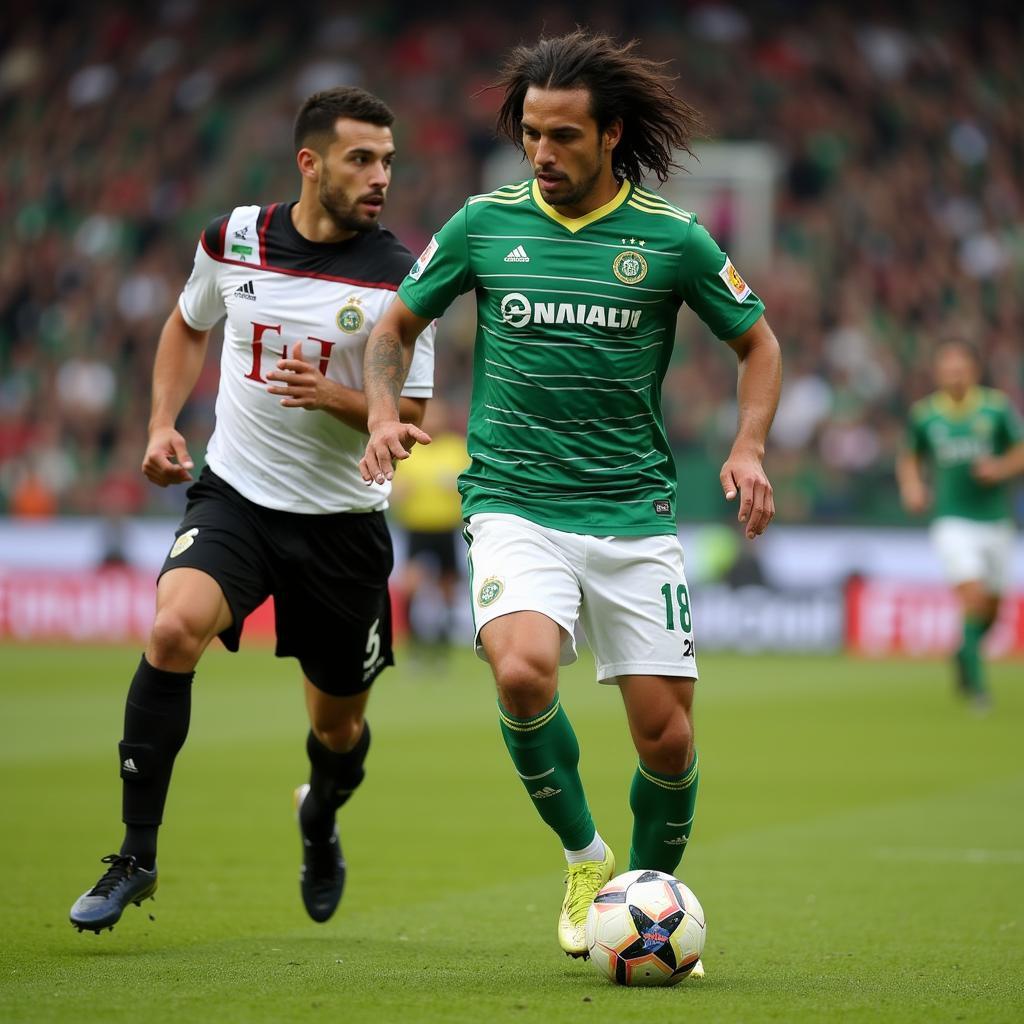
point(996, 469)
point(910, 480)
point(180, 354)
point(385, 365)
point(758, 387)
point(303, 386)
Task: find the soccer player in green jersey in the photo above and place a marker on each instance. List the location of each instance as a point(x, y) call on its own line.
point(971, 441)
point(570, 498)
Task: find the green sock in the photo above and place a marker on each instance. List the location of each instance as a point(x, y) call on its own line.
point(969, 654)
point(546, 755)
point(662, 817)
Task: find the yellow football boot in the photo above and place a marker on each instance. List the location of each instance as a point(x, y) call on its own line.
point(583, 882)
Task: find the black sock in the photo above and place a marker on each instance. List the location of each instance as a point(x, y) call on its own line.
point(156, 717)
point(332, 780)
point(140, 843)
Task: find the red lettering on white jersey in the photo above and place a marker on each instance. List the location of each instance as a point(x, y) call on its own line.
point(274, 455)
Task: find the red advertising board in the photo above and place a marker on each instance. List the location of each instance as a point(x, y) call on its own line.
point(882, 617)
point(105, 606)
point(885, 617)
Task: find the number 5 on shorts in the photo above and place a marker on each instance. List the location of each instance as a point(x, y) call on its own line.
point(372, 644)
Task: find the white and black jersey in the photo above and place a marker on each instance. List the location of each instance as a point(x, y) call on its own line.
point(278, 288)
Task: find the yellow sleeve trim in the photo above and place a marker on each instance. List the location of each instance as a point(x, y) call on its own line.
point(506, 194)
point(660, 213)
point(500, 200)
point(642, 196)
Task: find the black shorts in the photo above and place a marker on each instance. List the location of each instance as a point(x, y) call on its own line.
point(437, 547)
point(328, 575)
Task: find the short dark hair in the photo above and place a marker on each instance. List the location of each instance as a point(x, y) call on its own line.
point(319, 112)
point(623, 86)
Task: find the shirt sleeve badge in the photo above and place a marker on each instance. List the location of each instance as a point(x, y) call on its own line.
point(736, 285)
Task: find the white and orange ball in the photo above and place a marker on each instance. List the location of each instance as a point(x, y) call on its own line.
point(645, 928)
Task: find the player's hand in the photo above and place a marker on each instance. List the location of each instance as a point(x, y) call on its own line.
point(915, 499)
point(743, 476)
point(301, 384)
point(389, 442)
point(988, 470)
point(167, 460)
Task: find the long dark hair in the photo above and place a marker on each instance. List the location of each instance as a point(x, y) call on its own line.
point(622, 85)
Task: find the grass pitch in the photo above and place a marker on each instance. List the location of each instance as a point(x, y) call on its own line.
point(858, 849)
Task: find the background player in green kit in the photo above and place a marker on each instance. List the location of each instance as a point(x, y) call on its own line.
point(971, 442)
point(570, 498)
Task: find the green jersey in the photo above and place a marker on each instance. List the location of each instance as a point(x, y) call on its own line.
point(575, 326)
point(952, 436)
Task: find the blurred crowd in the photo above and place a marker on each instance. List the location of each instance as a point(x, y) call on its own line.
point(899, 209)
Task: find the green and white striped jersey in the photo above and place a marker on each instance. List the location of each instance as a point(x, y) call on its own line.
point(575, 326)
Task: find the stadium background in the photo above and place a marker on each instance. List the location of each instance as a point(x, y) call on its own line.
point(856, 845)
point(897, 214)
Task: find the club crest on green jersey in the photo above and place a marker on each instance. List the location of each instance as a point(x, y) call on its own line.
point(629, 267)
point(490, 590)
point(350, 317)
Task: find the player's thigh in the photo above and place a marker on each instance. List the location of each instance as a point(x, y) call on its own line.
point(216, 562)
point(517, 566)
point(636, 608)
point(193, 598)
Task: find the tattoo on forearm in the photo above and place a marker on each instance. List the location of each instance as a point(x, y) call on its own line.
point(384, 368)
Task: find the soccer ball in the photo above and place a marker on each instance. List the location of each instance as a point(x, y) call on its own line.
point(645, 928)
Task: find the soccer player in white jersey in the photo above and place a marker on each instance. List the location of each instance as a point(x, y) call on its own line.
point(579, 274)
point(279, 509)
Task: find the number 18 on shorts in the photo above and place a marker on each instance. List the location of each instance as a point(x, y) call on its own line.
point(629, 593)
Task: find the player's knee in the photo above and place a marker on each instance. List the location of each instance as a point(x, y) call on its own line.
point(176, 641)
point(339, 735)
point(526, 686)
point(978, 604)
point(668, 748)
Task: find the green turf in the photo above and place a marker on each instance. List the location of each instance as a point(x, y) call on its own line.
point(859, 851)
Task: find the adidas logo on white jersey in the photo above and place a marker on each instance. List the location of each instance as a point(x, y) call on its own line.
point(543, 794)
point(129, 765)
point(517, 255)
point(246, 291)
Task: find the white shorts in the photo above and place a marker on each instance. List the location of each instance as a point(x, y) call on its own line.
point(973, 550)
point(629, 592)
